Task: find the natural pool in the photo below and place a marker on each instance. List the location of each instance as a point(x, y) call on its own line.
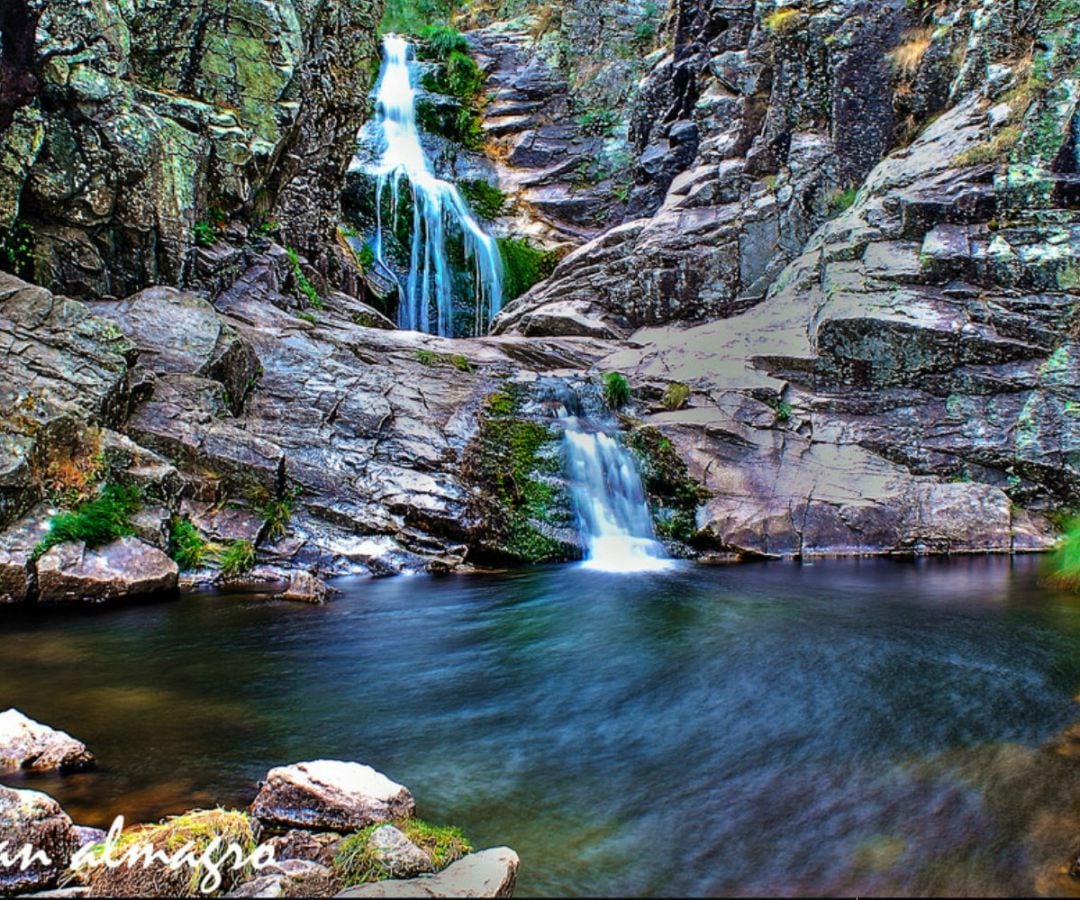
point(850, 726)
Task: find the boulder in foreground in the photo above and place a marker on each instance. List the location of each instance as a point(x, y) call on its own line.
point(26, 744)
point(35, 820)
point(330, 795)
point(489, 873)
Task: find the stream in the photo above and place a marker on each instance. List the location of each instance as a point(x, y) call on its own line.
point(847, 726)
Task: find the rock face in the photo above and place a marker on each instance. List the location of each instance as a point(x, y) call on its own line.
point(26, 744)
point(328, 795)
point(29, 818)
point(150, 118)
point(71, 573)
point(488, 873)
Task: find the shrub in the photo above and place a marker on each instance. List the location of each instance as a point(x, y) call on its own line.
point(187, 545)
point(413, 16)
point(676, 396)
point(440, 42)
point(237, 559)
point(1064, 565)
point(486, 200)
point(204, 233)
point(616, 390)
point(96, 522)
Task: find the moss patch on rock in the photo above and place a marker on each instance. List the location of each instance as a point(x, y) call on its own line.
point(357, 862)
point(515, 463)
point(673, 495)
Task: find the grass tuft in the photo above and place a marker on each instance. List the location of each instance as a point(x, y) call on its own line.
point(616, 390)
point(95, 522)
point(676, 396)
point(1064, 564)
point(238, 558)
point(187, 545)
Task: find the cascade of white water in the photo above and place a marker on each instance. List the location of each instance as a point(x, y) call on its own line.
point(427, 296)
point(610, 502)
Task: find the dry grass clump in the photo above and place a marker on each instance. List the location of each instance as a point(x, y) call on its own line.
point(909, 55)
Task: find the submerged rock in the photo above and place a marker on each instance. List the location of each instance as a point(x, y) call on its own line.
point(72, 573)
point(32, 819)
point(26, 744)
point(488, 873)
point(329, 795)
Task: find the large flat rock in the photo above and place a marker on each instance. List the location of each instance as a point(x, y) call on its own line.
point(488, 873)
point(330, 795)
point(72, 573)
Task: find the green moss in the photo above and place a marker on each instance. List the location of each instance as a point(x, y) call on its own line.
point(616, 390)
point(307, 316)
point(356, 862)
point(238, 558)
point(841, 199)
point(513, 460)
point(17, 251)
point(459, 362)
point(994, 151)
point(96, 522)
point(486, 201)
point(187, 545)
point(460, 124)
point(599, 122)
point(523, 265)
point(674, 496)
point(676, 396)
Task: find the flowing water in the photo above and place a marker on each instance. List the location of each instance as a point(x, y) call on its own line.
point(850, 726)
point(427, 300)
point(610, 502)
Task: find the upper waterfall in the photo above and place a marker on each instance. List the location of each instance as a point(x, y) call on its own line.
point(427, 295)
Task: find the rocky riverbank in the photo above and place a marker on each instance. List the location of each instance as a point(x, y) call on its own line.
point(325, 828)
point(836, 264)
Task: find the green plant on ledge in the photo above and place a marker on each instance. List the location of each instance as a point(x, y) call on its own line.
point(238, 558)
point(303, 284)
point(356, 862)
point(486, 200)
point(187, 546)
point(1064, 564)
point(17, 250)
point(430, 358)
point(96, 522)
point(616, 390)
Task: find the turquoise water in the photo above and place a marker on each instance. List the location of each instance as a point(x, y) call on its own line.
point(864, 726)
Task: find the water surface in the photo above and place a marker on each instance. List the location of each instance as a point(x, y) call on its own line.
point(841, 727)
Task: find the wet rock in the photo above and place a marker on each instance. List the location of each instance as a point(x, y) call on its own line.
point(16, 555)
point(289, 878)
point(26, 744)
point(329, 795)
point(488, 873)
point(306, 588)
point(30, 818)
point(72, 573)
point(304, 845)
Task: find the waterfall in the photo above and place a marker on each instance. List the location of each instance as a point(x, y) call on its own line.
point(427, 296)
point(610, 501)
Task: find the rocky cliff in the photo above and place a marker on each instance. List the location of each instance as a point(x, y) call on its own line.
point(833, 246)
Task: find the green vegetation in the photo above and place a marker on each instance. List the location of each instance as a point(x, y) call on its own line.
point(459, 124)
point(783, 412)
point(486, 200)
point(238, 558)
point(1064, 565)
point(616, 390)
point(996, 150)
point(277, 514)
point(307, 316)
point(303, 284)
point(414, 16)
point(356, 863)
point(95, 522)
point(841, 200)
point(205, 831)
point(676, 396)
point(440, 42)
point(17, 251)
point(784, 21)
point(458, 77)
point(599, 122)
point(674, 496)
point(204, 234)
point(365, 258)
point(513, 459)
point(523, 265)
point(187, 545)
point(430, 358)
